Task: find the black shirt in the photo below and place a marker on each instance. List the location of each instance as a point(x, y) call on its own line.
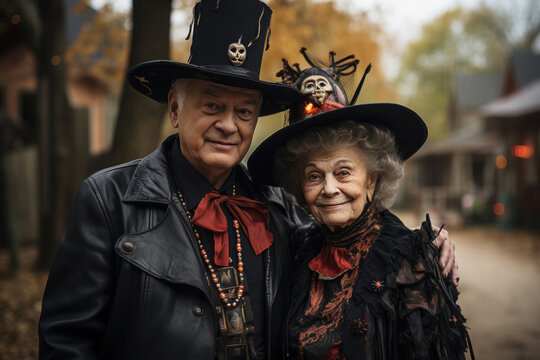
point(194, 187)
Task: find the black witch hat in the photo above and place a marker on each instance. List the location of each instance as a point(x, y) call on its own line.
point(408, 129)
point(229, 39)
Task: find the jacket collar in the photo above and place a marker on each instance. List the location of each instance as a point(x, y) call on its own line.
point(151, 181)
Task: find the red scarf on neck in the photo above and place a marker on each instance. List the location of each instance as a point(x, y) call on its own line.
point(252, 216)
point(334, 258)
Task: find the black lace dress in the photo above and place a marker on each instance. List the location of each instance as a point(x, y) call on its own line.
point(391, 303)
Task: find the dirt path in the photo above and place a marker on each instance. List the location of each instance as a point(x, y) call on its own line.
point(500, 290)
point(20, 306)
point(500, 287)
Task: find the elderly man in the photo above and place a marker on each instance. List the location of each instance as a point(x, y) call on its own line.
point(139, 273)
point(171, 256)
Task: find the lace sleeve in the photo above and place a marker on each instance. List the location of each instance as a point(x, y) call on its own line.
point(432, 322)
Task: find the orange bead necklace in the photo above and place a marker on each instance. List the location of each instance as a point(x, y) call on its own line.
point(231, 298)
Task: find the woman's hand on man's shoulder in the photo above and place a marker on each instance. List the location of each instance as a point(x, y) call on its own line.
point(447, 255)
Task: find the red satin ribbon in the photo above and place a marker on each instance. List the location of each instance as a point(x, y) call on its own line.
point(311, 109)
point(252, 216)
point(331, 262)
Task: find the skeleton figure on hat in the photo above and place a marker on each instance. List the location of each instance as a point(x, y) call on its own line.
point(320, 85)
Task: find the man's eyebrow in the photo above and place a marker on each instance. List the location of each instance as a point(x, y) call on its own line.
point(251, 101)
point(212, 93)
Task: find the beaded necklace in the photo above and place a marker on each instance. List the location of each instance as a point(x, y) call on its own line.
point(230, 299)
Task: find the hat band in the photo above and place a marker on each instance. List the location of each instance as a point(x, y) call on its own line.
point(233, 70)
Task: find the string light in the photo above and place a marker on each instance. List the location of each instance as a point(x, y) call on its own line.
point(501, 162)
point(522, 151)
point(498, 208)
point(15, 19)
point(56, 60)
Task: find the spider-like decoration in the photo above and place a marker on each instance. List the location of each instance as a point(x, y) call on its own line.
point(377, 285)
point(335, 69)
point(320, 84)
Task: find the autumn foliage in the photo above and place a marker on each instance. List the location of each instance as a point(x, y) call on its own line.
point(101, 48)
point(321, 27)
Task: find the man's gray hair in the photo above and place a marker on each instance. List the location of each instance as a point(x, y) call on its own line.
point(179, 87)
point(376, 144)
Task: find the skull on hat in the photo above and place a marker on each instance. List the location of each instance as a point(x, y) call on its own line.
point(237, 53)
point(317, 88)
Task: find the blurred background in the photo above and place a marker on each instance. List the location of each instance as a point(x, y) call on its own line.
point(470, 68)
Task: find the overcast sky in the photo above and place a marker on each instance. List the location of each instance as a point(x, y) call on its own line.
point(405, 18)
point(401, 18)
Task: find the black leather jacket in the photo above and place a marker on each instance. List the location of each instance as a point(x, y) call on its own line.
point(128, 282)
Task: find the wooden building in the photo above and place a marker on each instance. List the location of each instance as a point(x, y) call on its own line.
point(516, 120)
point(90, 96)
point(462, 178)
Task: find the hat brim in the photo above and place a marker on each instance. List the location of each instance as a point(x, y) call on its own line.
point(409, 130)
point(154, 78)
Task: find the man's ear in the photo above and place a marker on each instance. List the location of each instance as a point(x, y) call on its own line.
point(172, 105)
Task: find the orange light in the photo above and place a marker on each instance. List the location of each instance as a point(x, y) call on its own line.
point(498, 208)
point(15, 19)
point(522, 151)
point(501, 162)
point(310, 109)
point(56, 60)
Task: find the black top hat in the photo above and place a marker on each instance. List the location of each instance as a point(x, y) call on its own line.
point(229, 39)
point(408, 129)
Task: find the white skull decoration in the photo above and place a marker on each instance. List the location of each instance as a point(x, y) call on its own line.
point(237, 53)
point(316, 88)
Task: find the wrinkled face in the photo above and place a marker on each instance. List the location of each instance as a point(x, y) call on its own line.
point(336, 186)
point(215, 124)
point(317, 88)
point(237, 53)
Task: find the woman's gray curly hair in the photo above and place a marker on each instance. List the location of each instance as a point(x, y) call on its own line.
point(376, 145)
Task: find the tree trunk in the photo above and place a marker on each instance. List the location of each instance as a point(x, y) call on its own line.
point(56, 140)
point(139, 119)
point(6, 231)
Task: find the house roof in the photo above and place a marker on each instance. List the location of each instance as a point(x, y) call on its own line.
point(468, 139)
point(526, 66)
point(475, 90)
point(76, 17)
point(523, 102)
point(77, 14)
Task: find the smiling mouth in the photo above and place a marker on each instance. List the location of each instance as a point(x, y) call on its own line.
point(222, 144)
point(331, 206)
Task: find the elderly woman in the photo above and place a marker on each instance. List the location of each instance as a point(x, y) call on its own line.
point(364, 286)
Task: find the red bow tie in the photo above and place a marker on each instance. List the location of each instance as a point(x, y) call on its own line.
point(252, 216)
point(331, 262)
